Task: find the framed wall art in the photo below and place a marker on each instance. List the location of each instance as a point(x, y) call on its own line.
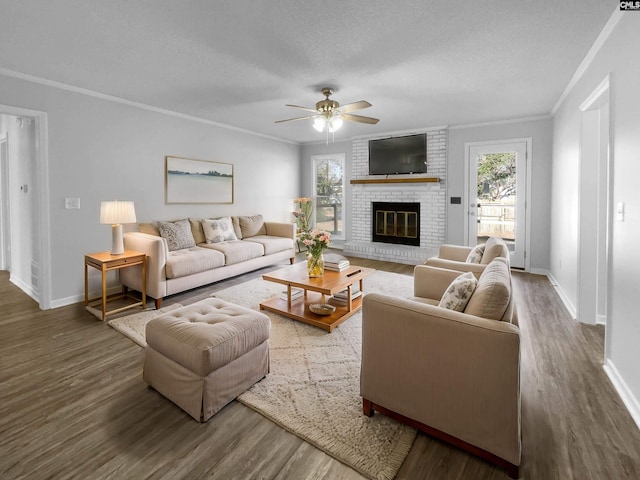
point(197, 181)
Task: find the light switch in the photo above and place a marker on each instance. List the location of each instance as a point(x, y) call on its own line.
point(72, 203)
point(620, 212)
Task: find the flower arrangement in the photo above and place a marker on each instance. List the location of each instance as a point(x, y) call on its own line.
point(316, 241)
point(303, 213)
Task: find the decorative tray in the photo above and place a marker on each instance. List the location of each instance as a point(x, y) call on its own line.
point(322, 308)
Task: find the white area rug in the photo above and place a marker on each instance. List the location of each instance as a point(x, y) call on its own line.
point(313, 389)
point(133, 326)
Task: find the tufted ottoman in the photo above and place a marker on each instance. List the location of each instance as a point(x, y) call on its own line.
point(204, 355)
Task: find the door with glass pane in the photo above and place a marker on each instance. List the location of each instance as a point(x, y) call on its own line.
point(328, 175)
point(497, 196)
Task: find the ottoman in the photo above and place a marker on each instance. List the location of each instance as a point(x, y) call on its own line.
point(204, 355)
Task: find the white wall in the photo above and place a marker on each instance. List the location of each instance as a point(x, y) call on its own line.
point(616, 58)
point(102, 150)
point(540, 131)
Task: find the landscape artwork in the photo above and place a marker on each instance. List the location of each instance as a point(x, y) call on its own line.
point(198, 181)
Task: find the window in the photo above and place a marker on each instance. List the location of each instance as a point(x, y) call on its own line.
point(328, 182)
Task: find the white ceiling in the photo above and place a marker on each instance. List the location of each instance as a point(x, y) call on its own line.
point(421, 63)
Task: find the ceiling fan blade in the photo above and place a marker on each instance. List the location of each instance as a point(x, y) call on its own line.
point(303, 108)
point(360, 118)
point(294, 119)
point(350, 107)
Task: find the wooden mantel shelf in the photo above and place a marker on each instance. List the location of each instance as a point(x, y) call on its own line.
point(396, 180)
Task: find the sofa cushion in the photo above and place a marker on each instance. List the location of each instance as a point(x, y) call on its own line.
point(220, 230)
point(196, 230)
point(251, 226)
point(177, 234)
point(236, 227)
point(237, 251)
point(459, 292)
point(273, 244)
point(149, 228)
point(493, 292)
point(188, 261)
point(495, 247)
point(475, 255)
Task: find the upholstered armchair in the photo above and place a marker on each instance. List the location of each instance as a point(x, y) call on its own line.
point(470, 259)
point(452, 374)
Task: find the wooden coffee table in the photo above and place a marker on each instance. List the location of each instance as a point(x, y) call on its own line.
point(316, 290)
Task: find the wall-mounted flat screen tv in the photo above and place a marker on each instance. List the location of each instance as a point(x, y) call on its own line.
point(398, 155)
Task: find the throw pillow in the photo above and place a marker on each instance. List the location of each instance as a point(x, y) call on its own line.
point(475, 255)
point(177, 234)
point(459, 292)
point(220, 230)
point(252, 226)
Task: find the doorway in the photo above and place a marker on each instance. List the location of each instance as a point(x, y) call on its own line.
point(497, 195)
point(25, 196)
point(594, 207)
point(5, 252)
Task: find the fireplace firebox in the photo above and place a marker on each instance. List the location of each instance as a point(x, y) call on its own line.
point(396, 222)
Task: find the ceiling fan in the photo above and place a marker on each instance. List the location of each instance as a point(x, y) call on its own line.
point(329, 115)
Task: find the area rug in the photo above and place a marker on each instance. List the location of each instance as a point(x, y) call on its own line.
point(133, 326)
point(313, 389)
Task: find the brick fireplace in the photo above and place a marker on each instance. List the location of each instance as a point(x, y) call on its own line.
point(431, 198)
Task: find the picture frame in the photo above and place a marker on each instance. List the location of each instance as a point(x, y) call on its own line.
point(188, 180)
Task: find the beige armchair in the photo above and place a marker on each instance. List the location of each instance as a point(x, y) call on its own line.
point(454, 257)
point(454, 375)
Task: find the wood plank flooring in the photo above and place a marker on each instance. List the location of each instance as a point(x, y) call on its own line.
point(73, 406)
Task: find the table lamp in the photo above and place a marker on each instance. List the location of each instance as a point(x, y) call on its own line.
point(116, 213)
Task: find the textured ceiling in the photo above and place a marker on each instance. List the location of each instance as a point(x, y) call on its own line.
point(420, 63)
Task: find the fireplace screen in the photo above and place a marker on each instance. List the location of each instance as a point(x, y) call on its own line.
point(396, 223)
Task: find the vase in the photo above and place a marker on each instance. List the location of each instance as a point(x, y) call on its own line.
point(315, 265)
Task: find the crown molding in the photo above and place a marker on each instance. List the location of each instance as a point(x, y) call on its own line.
point(123, 101)
point(588, 59)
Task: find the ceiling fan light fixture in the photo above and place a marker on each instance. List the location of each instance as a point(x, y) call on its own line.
point(335, 123)
point(319, 123)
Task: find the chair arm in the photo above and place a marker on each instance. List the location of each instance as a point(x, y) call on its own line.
point(157, 251)
point(454, 372)
point(475, 268)
point(458, 253)
point(431, 282)
point(277, 229)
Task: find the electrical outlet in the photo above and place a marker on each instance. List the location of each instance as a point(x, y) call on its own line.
point(72, 203)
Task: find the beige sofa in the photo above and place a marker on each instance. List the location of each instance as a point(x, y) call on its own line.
point(454, 375)
point(455, 257)
point(170, 271)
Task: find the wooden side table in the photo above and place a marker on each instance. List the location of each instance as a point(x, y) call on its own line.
point(105, 262)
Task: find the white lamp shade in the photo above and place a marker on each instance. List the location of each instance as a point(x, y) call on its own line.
point(116, 212)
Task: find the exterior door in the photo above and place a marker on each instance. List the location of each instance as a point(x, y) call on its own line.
point(497, 193)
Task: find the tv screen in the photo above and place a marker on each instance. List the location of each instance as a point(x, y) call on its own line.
point(397, 155)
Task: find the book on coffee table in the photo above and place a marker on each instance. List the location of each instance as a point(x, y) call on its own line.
point(342, 296)
point(335, 262)
point(295, 294)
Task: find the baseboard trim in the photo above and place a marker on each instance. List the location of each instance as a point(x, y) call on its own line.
point(28, 289)
point(63, 302)
point(626, 395)
point(563, 296)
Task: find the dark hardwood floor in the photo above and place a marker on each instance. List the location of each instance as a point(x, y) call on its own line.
point(73, 406)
